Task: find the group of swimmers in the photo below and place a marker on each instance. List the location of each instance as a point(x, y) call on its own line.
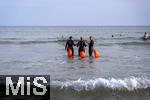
point(81, 45)
point(146, 36)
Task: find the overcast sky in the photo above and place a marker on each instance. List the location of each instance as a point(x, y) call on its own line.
point(74, 12)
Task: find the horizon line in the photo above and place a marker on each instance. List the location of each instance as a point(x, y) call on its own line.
point(74, 25)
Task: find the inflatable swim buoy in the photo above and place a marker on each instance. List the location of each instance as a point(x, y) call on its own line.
point(96, 53)
point(82, 54)
point(69, 52)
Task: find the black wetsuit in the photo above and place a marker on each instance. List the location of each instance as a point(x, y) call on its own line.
point(91, 47)
point(70, 44)
point(81, 45)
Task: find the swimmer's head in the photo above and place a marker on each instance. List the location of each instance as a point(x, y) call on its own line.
point(81, 38)
point(70, 37)
point(90, 37)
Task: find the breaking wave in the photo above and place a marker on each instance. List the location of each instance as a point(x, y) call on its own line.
point(129, 84)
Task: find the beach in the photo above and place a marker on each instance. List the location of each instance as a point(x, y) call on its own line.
point(122, 72)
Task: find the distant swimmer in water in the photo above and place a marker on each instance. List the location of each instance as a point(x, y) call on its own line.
point(112, 36)
point(81, 44)
point(146, 36)
point(69, 45)
point(91, 46)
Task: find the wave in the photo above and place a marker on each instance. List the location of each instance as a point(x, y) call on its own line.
point(28, 40)
point(119, 38)
point(129, 84)
point(132, 88)
point(63, 41)
point(24, 42)
point(75, 39)
point(104, 41)
point(32, 41)
point(125, 43)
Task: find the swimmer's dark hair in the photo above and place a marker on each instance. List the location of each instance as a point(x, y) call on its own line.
point(70, 37)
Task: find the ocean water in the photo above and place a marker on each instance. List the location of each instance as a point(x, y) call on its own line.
point(122, 72)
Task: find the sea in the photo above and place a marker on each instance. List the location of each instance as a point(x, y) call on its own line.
point(122, 72)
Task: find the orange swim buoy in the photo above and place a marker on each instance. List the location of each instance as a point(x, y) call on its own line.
point(69, 52)
point(96, 53)
point(82, 54)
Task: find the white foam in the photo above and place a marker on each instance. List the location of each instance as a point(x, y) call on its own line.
point(130, 84)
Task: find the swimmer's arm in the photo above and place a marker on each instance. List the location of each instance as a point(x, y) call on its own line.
point(74, 44)
point(77, 44)
point(66, 45)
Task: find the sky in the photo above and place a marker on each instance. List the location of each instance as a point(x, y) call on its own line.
point(74, 12)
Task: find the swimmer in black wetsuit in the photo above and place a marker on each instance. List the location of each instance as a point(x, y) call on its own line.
point(70, 44)
point(81, 44)
point(91, 46)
